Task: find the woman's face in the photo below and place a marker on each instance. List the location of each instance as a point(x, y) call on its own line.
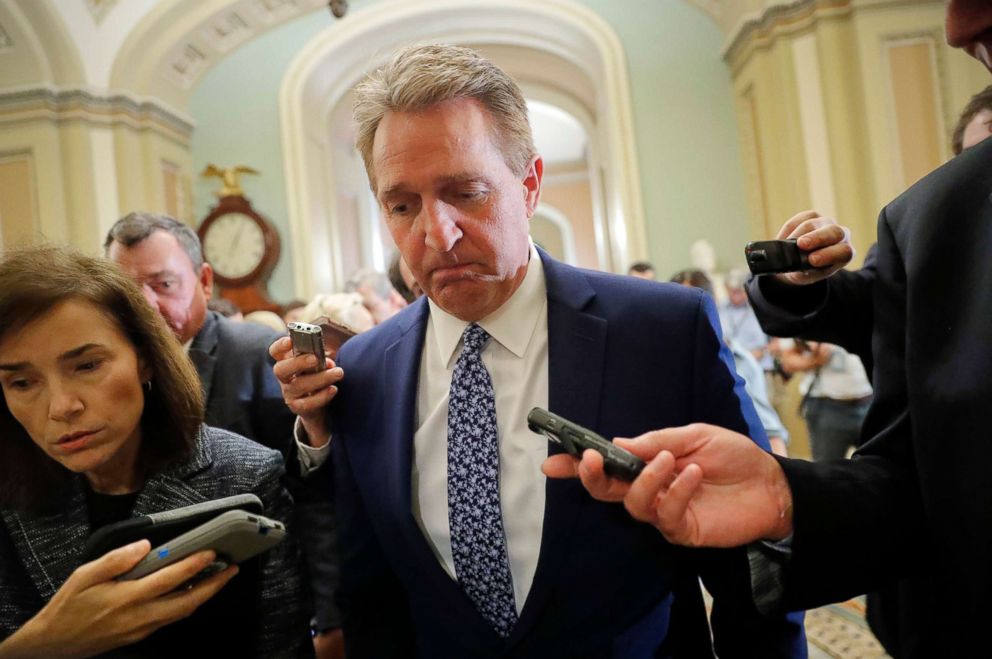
point(73, 381)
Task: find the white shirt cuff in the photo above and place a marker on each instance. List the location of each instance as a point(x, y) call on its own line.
point(310, 458)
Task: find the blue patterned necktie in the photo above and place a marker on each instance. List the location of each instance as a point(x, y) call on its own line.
point(478, 544)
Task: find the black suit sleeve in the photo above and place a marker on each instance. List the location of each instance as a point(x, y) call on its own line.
point(838, 310)
point(720, 399)
point(859, 521)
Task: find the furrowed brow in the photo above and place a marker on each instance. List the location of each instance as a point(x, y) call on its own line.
point(76, 352)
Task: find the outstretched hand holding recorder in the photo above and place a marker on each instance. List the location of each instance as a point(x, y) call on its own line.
point(575, 439)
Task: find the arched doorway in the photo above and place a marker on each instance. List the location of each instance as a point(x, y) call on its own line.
point(563, 55)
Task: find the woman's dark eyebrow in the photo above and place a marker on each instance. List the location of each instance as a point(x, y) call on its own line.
point(76, 352)
point(64, 357)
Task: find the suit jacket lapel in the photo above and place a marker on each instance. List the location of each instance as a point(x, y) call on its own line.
point(51, 546)
point(576, 351)
point(401, 371)
point(170, 489)
point(203, 352)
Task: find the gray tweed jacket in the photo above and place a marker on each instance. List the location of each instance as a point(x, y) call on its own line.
point(38, 553)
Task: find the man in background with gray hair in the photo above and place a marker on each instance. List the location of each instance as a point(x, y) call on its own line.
point(165, 258)
point(454, 544)
point(378, 295)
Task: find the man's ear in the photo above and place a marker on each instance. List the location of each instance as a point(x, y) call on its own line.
point(532, 184)
point(207, 279)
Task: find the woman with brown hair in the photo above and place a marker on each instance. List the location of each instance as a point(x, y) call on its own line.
point(101, 420)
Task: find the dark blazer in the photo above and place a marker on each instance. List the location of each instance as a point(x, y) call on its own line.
point(38, 552)
point(838, 310)
point(625, 356)
point(916, 498)
point(242, 395)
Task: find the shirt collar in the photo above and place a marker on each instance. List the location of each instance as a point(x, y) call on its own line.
point(512, 325)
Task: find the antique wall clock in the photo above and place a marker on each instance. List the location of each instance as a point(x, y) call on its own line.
point(241, 245)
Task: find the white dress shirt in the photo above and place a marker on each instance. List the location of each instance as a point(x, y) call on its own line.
point(517, 360)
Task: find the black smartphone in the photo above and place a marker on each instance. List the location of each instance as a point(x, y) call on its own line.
point(574, 438)
point(308, 338)
point(235, 536)
point(773, 256)
point(163, 526)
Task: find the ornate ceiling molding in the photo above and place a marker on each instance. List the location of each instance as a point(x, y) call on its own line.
point(178, 43)
point(761, 30)
point(76, 104)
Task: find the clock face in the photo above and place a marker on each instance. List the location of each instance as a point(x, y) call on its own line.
point(234, 245)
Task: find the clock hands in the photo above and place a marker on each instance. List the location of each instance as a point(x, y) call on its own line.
point(237, 238)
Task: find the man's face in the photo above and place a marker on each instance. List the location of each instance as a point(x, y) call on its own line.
point(977, 130)
point(969, 26)
point(458, 214)
point(166, 276)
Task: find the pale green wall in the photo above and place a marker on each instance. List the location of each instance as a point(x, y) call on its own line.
point(683, 114)
point(686, 132)
point(236, 109)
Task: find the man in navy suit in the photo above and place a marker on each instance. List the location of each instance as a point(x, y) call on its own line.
point(453, 542)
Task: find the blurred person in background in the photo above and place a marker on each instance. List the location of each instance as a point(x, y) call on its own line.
point(267, 318)
point(836, 395)
point(378, 294)
point(293, 311)
point(643, 270)
point(226, 308)
point(975, 123)
point(344, 308)
point(402, 279)
point(748, 368)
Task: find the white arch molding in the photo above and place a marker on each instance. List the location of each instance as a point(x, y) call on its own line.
point(330, 65)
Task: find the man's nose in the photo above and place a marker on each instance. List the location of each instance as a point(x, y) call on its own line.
point(64, 403)
point(441, 229)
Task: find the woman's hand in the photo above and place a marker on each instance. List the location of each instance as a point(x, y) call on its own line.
point(92, 613)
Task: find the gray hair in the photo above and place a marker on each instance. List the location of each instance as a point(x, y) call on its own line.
point(370, 280)
point(420, 77)
point(135, 227)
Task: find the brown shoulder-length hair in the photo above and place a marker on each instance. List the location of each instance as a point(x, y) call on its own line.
point(32, 281)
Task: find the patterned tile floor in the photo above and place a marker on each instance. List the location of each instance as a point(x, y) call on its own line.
point(839, 631)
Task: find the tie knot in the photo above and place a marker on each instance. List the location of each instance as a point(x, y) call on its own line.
point(474, 337)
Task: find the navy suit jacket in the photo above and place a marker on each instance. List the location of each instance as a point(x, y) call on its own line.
point(625, 356)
